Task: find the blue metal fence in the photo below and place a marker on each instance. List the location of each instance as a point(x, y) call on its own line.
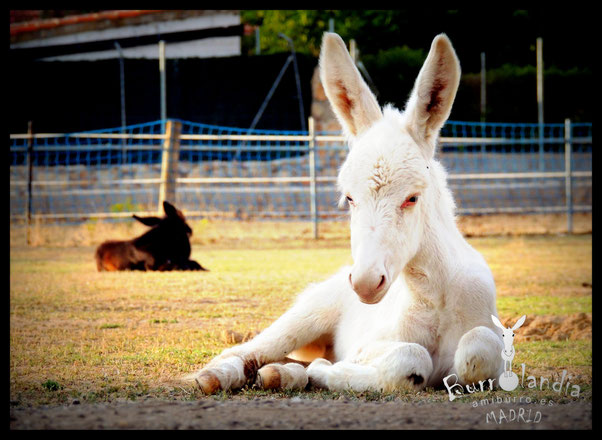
point(225, 172)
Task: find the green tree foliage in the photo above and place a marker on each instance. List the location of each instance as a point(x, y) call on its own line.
point(305, 28)
point(394, 43)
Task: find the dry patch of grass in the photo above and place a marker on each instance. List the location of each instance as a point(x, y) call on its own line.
point(540, 266)
point(255, 234)
point(77, 333)
point(523, 224)
point(93, 331)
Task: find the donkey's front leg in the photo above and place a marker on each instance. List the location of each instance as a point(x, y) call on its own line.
point(314, 314)
point(384, 366)
point(478, 356)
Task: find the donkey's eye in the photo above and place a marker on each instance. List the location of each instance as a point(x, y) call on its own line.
point(350, 200)
point(410, 201)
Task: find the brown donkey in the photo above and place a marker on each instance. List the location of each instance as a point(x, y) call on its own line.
point(166, 246)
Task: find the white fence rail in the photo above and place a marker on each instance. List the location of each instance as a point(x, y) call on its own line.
point(305, 176)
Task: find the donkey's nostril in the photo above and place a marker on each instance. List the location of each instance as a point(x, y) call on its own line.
point(368, 286)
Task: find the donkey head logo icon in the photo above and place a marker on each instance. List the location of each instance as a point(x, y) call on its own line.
point(508, 379)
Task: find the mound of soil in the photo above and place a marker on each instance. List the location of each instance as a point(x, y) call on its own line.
point(553, 327)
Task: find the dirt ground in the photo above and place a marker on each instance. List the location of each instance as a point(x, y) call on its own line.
point(296, 413)
point(553, 327)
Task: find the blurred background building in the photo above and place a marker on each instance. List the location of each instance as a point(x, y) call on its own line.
point(91, 36)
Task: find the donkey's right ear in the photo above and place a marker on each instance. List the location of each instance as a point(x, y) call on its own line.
point(148, 221)
point(520, 322)
point(352, 101)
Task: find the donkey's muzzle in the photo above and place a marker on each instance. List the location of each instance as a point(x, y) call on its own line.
point(369, 286)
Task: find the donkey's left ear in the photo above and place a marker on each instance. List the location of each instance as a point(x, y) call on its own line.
point(147, 221)
point(497, 322)
point(434, 92)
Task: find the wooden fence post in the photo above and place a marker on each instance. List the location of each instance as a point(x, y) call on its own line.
point(169, 163)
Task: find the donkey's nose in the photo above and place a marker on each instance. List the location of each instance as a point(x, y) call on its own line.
point(368, 285)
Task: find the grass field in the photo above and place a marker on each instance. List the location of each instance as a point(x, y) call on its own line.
point(79, 334)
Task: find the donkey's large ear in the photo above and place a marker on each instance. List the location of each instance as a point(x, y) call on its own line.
point(170, 210)
point(497, 322)
point(350, 97)
point(431, 100)
point(148, 221)
point(520, 322)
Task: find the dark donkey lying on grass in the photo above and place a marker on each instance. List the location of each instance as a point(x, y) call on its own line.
point(165, 247)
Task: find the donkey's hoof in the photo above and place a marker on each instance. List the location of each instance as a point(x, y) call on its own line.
point(269, 378)
point(281, 376)
point(416, 379)
point(318, 372)
point(478, 355)
point(208, 382)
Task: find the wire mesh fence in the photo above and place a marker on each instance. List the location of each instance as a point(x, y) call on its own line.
point(224, 172)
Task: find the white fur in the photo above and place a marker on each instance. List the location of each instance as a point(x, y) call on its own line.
point(416, 304)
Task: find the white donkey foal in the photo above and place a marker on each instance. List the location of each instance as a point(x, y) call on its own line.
point(416, 305)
